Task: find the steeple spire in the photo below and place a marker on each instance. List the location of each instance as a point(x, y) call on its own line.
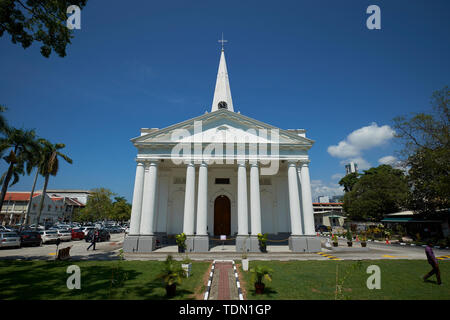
point(222, 93)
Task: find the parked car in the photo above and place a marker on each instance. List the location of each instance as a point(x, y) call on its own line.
point(113, 229)
point(5, 229)
point(28, 237)
point(103, 235)
point(77, 234)
point(64, 234)
point(9, 239)
point(322, 228)
point(49, 236)
point(87, 229)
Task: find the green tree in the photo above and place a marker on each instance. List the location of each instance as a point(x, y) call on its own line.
point(349, 181)
point(21, 145)
point(426, 151)
point(121, 210)
point(44, 21)
point(49, 166)
point(98, 206)
point(378, 191)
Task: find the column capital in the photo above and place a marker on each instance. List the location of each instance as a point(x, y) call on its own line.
point(150, 163)
point(292, 163)
point(304, 163)
point(241, 162)
point(189, 163)
point(254, 163)
point(203, 164)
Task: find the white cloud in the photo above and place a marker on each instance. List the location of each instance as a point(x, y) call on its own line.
point(388, 160)
point(319, 188)
point(337, 176)
point(392, 161)
point(362, 139)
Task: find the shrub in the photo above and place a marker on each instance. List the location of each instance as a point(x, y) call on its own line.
point(181, 240)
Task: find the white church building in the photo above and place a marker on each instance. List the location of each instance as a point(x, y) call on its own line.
point(222, 174)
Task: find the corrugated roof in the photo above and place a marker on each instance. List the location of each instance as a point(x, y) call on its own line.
point(19, 196)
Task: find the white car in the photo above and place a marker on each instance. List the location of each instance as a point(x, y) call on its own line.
point(86, 230)
point(64, 235)
point(4, 229)
point(9, 239)
point(49, 236)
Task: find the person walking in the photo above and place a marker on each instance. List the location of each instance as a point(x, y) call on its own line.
point(93, 239)
point(433, 262)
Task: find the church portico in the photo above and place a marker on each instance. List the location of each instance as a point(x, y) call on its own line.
point(221, 173)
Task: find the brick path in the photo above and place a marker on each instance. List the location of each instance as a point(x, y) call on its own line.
point(223, 286)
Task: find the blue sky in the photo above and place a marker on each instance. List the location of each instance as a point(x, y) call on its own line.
point(292, 64)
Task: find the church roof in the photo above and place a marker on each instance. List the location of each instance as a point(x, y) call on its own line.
point(222, 119)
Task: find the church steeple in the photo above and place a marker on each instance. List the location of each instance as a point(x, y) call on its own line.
point(222, 93)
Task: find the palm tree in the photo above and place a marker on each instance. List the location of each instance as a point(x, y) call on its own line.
point(49, 165)
point(22, 145)
point(37, 158)
point(3, 122)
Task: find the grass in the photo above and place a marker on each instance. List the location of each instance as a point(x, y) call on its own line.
point(293, 280)
point(46, 280)
point(400, 279)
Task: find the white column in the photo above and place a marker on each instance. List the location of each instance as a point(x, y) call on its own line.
point(149, 201)
point(308, 211)
point(136, 207)
point(242, 200)
point(202, 201)
point(189, 200)
point(294, 201)
point(255, 201)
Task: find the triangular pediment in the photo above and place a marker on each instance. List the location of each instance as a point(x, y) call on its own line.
point(222, 126)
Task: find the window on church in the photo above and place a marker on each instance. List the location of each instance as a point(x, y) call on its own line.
point(179, 180)
point(222, 180)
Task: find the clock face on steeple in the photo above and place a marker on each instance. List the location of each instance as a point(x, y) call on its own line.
point(222, 105)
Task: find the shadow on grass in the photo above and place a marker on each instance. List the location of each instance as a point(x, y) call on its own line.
point(25, 280)
point(156, 290)
point(267, 294)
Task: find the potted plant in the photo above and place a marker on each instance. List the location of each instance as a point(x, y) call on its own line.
point(258, 274)
point(334, 238)
point(262, 238)
point(349, 238)
point(363, 239)
point(186, 264)
point(181, 242)
point(171, 274)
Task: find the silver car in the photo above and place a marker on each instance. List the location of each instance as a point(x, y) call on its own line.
point(9, 239)
point(49, 236)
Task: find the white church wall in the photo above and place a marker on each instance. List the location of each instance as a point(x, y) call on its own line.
point(283, 214)
point(267, 211)
point(163, 201)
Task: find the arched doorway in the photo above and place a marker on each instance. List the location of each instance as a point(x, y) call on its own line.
point(222, 216)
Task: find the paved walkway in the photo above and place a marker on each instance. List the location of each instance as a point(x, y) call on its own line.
point(223, 286)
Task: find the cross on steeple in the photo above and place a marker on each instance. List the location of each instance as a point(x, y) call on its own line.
point(222, 41)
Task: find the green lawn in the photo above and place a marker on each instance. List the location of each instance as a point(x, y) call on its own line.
point(133, 280)
point(400, 279)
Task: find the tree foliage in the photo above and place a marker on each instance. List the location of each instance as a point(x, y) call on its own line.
point(98, 206)
point(121, 210)
point(378, 191)
point(43, 21)
point(349, 181)
point(426, 150)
